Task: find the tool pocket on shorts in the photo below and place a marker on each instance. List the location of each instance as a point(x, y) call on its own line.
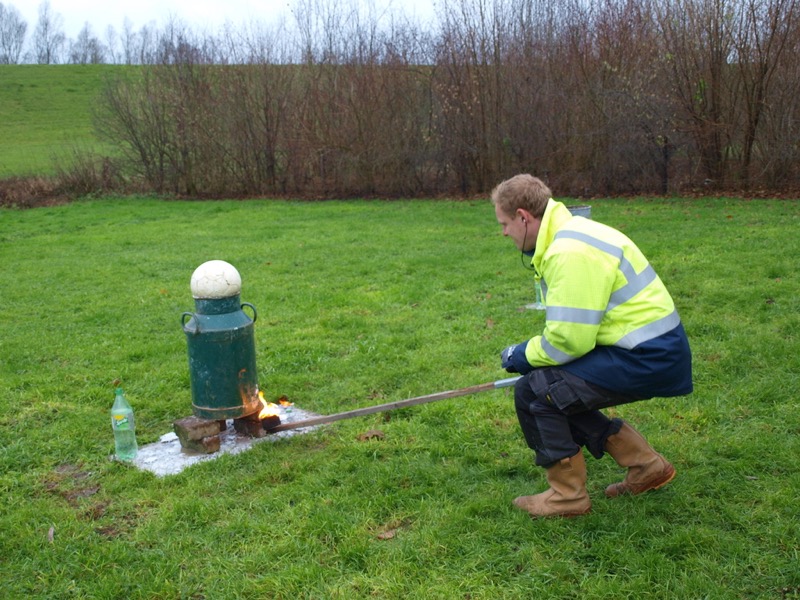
point(564, 397)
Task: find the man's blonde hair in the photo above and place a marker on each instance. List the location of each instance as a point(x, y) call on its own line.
point(522, 191)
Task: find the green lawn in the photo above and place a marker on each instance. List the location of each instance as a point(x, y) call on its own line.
point(362, 303)
point(46, 113)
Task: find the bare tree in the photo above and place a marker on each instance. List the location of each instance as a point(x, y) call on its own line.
point(134, 116)
point(761, 37)
point(697, 36)
point(12, 35)
point(48, 37)
point(178, 45)
point(86, 49)
point(112, 45)
point(623, 121)
point(778, 153)
point(128, 39)
point(147, 44)
point(471, 90)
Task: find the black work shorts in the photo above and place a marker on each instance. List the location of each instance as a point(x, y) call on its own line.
point(572, 394)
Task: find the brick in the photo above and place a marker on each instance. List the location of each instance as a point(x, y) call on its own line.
point(269, 422)
point(192, 429)
point(207, 445)
point(249, 426)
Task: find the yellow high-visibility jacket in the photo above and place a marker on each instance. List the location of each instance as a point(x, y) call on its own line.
point(609, 317)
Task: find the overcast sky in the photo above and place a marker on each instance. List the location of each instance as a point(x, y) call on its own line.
point(202, 15)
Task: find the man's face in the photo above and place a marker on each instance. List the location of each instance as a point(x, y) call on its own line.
point(520, 227)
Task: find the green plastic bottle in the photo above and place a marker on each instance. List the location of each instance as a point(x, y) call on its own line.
point(124, 426)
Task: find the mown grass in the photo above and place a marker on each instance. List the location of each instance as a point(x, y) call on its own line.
point(46, 114)
point(361, 303)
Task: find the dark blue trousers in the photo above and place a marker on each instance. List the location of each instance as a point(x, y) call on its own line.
point(559, 413)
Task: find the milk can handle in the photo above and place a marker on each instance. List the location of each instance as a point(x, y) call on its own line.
point(183, 322)
point(253, 308)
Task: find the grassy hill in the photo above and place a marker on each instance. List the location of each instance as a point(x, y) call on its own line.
point(45, 112)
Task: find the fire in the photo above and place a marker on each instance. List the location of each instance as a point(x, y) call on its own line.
point(269, 409)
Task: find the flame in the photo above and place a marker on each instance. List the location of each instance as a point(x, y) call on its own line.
point(284, 401)
point(268, 409)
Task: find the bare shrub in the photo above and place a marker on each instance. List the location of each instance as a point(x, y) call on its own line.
point(30, 192)
point(599, 97)
point(86, 173)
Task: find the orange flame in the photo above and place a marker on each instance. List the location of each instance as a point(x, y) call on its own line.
point(268, 409)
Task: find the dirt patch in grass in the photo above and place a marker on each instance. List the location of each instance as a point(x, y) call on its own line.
point(71, 483)
point(76, 487)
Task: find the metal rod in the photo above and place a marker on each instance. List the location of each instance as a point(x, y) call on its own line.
point(492, 385)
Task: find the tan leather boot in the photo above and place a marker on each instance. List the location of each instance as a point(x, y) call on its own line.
point(647, 469)
point(567, 496)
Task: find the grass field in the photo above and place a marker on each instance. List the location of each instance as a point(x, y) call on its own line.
point(362, 303)
point(45, 114)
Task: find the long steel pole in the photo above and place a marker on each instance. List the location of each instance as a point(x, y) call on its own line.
point(492, 385)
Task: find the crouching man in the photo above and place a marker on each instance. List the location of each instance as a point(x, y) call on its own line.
point(611, 336)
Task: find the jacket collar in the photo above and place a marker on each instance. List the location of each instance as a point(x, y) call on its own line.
point(556, 214)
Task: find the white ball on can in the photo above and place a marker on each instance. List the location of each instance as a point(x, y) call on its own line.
point(216, 279)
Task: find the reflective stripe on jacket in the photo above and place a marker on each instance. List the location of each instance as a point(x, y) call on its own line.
point(600, 291)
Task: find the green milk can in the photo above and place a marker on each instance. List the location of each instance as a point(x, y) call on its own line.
point(221, 344)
